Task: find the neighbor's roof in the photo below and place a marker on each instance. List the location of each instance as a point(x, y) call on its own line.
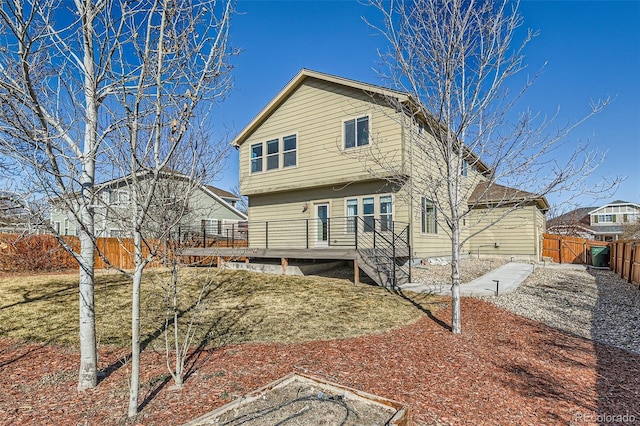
point(615, 203)
point(486, 193)
point(574, 217)
point(222, 193)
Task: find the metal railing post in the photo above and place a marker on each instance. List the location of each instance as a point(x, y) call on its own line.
point(393, 248)
point(356, 224)
point(328, 231)
point(266, 235)
point(307, 232)
point(233, 235)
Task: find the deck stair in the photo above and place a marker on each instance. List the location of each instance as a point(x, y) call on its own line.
point(384, 254)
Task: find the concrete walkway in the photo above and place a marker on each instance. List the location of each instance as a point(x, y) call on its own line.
point(504, 279)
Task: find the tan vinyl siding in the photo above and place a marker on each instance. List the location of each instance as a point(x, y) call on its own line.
point(315, 113)
point(289, 217)
point(517, 234)
point(425, 245)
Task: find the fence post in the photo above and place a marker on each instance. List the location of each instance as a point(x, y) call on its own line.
point(233, 235)
point(560, 244)
point(266, 235)
point(204, 236)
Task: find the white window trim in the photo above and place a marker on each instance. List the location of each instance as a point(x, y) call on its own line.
point(355, 119)
point(281, 152)
point(435, 209)
point(262, 157)
point(360, 207)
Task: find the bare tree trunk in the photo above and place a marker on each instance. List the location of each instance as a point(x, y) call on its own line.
point(87, 377)
point(456, 326)
point(134, 388)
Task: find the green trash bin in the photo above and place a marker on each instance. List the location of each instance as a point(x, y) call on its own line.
point(600, 256)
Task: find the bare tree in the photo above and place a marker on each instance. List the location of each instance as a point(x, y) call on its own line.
point(457, 60)
point(173, 73)
point(52, 87)
point(85, 81)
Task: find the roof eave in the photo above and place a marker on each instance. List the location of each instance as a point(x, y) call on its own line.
point(294, 83)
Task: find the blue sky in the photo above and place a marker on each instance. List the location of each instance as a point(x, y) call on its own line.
point(592, 50)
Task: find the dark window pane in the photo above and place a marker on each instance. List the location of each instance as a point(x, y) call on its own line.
point(349, 134)
point(289, 159)
point(289, 143)
point(272, 162)
point(272, 147)
point(367, 206)
point(363, 131)
point(256, 165)
point(256, 150)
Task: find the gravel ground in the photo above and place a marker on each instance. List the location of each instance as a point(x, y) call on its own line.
point(595, 304)
point(470, 269)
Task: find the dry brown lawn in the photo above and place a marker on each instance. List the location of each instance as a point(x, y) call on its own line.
point(237, 307)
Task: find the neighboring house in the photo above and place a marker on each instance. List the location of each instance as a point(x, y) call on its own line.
point(576, 223)
point(606, 223)
point(206, 209)
point(306, 190)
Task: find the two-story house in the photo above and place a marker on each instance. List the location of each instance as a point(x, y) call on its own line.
point(608, 222)
point(310, 183)
point(605, 223)
point(179, 205)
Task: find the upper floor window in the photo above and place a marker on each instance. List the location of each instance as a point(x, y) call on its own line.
point(465, 168)
point(256, 157)
point(119, 196)
point(605, 218)
point(281, 153)
point(289, 151)
point(356, 132)
point(273, 154)
point(429, 218)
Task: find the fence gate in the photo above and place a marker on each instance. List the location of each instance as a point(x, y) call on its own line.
point(564, 249)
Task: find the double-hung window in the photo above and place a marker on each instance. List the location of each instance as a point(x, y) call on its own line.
point(273, 154)
point(368, 211)
point(356, 132)
point(352, 215)
point(386, 213)
point(280, 153)
point(289, 151)
point(256, 158)
point(429, 219)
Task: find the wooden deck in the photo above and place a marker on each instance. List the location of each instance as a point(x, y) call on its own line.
point(271, 253)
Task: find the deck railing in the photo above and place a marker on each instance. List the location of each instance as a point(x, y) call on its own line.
point(333, 232)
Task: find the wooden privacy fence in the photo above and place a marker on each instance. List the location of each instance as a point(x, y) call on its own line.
point(564, 249)
point(43, 252)
point(625, 260)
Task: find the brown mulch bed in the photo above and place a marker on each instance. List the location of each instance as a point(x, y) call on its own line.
point(503, 369)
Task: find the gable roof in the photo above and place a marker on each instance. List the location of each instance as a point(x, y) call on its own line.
point(222, 193)
point(404, 98)
point(296, 82)
point(489, 193)
point(615, 203)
